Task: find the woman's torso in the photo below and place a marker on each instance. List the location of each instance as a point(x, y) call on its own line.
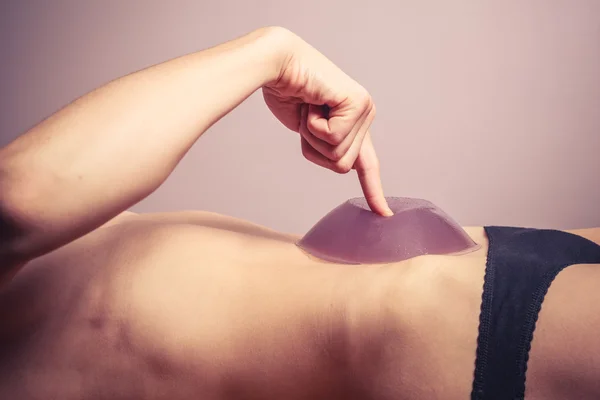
point(98, 315)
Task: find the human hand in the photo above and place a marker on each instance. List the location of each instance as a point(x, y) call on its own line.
point(332, 113)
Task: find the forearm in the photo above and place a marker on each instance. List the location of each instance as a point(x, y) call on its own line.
point(114, 146)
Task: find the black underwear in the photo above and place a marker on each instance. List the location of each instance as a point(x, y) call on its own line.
point(521, 265)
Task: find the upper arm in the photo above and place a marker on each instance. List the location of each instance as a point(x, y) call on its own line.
point(11, 258)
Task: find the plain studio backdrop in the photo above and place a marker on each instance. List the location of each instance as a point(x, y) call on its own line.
point(491, 110)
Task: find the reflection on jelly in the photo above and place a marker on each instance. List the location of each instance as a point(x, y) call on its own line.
point(352, 234)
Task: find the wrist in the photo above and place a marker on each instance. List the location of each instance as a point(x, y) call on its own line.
point(275, 43)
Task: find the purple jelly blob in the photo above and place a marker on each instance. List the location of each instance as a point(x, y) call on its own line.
point(353, 234)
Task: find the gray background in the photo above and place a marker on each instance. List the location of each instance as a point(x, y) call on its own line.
point(489, 109)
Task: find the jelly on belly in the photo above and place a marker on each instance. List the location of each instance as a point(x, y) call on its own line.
point(352, 234)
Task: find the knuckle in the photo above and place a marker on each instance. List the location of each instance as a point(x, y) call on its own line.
point(336, 154)
point(306, 152)
point(306, 155)
point(373, 110)
point(335, 139)
point(343, 167)
point(365, 99)
point(311, 125)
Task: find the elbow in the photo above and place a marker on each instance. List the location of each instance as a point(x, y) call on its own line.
point(12, 248)
point(23, 201)
point(15, 223)
point(12, 252)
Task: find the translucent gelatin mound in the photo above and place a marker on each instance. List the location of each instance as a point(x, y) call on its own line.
point(353, 234)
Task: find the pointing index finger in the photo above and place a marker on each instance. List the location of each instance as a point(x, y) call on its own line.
point(367, 168)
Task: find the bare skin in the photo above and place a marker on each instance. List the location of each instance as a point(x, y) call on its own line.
point(100, 304)
point(181, 306)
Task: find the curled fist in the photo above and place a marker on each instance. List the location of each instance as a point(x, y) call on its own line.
point(332, 113)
